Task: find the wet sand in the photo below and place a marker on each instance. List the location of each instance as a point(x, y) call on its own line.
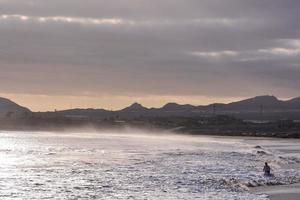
point(280, 192)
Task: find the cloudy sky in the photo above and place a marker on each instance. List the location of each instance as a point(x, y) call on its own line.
point(98, 53)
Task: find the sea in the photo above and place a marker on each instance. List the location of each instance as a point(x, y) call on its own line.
point(141, 165)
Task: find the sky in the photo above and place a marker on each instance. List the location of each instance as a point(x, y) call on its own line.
point(61, 54)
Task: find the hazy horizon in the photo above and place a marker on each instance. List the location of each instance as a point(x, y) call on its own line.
point(49, 103)
point(72, 104)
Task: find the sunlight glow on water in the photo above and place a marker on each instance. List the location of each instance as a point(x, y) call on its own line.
point(123, 166)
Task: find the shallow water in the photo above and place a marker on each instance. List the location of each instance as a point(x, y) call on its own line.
point(139, 166)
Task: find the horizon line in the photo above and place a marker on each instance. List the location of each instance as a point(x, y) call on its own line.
point(153, 107)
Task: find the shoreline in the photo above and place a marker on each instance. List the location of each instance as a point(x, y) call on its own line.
point(204, 132)
point(280, 192)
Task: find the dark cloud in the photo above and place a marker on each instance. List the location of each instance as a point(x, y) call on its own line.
point(137, 47)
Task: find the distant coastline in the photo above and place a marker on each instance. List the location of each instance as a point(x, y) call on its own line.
point(262, 116)
point(218, 125)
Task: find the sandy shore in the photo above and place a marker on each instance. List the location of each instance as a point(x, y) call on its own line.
point(280, 192)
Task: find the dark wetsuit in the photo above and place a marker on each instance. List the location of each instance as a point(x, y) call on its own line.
point(267, 170)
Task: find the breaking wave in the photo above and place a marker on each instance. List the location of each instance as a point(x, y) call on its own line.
point(135, 167)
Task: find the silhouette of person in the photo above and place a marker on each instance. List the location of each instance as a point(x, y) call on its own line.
point(267, 169)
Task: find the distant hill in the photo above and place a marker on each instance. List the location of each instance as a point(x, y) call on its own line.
point(135, 107)
point(260, 107)
point(9, 108)
point(253, 108)
point(293, 103)
point(255, 103)
point(173, 107)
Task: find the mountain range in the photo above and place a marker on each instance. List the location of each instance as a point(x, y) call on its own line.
point(252, 108)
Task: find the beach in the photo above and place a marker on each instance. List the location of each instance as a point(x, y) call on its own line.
point(143, 165)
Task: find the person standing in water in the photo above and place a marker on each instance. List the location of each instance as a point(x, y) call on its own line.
point(267, 169)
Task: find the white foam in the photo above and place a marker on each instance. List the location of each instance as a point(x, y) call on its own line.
point(120, 166)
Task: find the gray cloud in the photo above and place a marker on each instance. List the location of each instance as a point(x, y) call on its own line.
point(138, 47)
